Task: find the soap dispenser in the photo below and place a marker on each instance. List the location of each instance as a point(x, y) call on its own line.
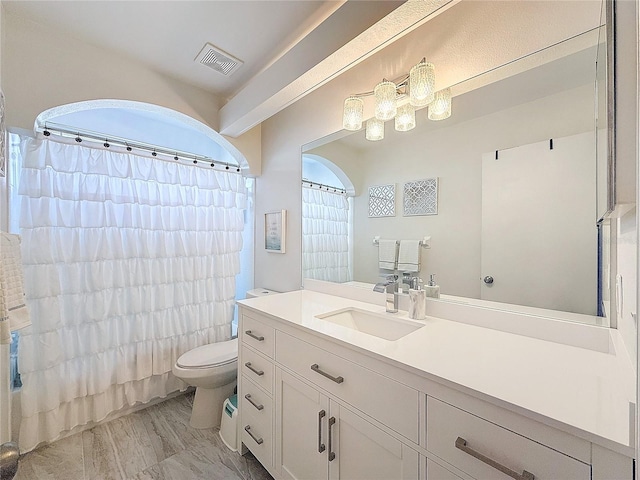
point(417, 300)
point(432, 290)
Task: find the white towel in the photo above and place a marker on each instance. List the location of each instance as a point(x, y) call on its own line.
point(387, 254)
point(14, 313)
point(409, 256)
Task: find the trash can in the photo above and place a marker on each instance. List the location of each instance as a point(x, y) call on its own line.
point(229, 422)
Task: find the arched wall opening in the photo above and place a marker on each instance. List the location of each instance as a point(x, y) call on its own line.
point(145, 123)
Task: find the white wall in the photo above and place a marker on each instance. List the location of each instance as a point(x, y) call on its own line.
point(467, 39)
point(44, 68)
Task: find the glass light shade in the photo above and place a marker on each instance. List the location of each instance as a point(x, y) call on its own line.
point(374, 130)
point(385, 100)
point(440, 108)
point(405, 118)
point(353, 112)
point(422, 84)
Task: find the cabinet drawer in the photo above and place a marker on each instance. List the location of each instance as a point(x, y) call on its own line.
point(257, 403)
point(448, 426)
point(258, 438)
point(393, 404)
point(257, 335)
point(438, 472)
point(258, 368)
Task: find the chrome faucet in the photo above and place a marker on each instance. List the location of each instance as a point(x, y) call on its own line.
point(390, 288)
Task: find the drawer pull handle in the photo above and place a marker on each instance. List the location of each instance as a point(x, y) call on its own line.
point(461, 444)
point(321, 415)
point(258, 406)
point(259, 338)
point(316, 368)
point(332, 454)
point(257, 440)
point(257, 372)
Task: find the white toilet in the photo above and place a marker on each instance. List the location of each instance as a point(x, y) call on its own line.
point(213, 370)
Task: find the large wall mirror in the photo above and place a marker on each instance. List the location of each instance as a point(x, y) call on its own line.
point(520, 174)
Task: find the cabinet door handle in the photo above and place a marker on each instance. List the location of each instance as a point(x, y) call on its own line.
point(257, 372)
point(257, 440)
point(332, 454)
point(258, 406)
point(321, 415)
point(259, 338)
point(461, 444)
point(316, 368)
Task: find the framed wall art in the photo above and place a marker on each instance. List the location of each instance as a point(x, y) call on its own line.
point(275, 231)
point(382, 201)
point(421, 197)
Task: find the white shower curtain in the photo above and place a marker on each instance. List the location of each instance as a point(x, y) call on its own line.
point(129, 262)
point(325, 236)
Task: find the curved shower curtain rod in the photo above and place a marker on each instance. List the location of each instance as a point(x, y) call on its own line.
point(70, 132)
point(326, 187)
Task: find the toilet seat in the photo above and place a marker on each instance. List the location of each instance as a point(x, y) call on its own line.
point(213, 354)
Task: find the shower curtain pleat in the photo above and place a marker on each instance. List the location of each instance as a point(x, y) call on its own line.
point(128, 263)
point(325, 236)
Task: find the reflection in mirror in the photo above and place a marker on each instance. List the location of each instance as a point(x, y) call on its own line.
point(518, 189)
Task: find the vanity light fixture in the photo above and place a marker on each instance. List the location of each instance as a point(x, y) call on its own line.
point(385, 95)
point(422, 84)
point(374, 129)
point(440, 108)
point(398, 99)
point(353, 113)
point(405, 118)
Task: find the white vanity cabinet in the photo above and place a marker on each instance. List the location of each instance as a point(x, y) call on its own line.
point(318, 409)
point(321, 438)
point(485, 450)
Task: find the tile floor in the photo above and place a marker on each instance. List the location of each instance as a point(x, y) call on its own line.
point(155, 443)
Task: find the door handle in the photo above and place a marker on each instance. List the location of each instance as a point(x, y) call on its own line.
point(321, 415)
point(332, 454)
point(257, 372)
point(316, 368)
point(259, 338)
point(488, 279)
point(255, 439)
point(258, 406)
point(461, 444)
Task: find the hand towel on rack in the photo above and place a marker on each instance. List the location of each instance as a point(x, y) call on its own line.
point(387, 254)
point(14, 313)
point(409, 256)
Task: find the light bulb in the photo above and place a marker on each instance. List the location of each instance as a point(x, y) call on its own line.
point(440, 108)
point(385, 100)
point(422, 84)
point(374, 130)
point(352, 116)
point(405, 118)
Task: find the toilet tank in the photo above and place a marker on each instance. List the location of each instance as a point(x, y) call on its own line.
point(260, 292)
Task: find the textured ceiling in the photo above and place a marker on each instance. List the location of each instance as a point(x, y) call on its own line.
point(167, 35)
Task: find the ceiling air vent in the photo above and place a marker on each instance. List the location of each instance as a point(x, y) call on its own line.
point(218, 60)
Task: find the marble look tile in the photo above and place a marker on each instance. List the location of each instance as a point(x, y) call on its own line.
point(188, 465)
point(177, 412)
point(249, 467)
point(134, 448)
point(164, 439)
point(100, 457)
point(156, 443)
point(61, 459)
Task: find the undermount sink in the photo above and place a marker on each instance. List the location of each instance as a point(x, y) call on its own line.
point(383, 326)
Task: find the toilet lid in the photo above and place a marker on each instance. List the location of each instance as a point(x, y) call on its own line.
point(208, 355)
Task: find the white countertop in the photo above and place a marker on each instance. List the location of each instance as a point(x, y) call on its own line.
point(579, 388)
